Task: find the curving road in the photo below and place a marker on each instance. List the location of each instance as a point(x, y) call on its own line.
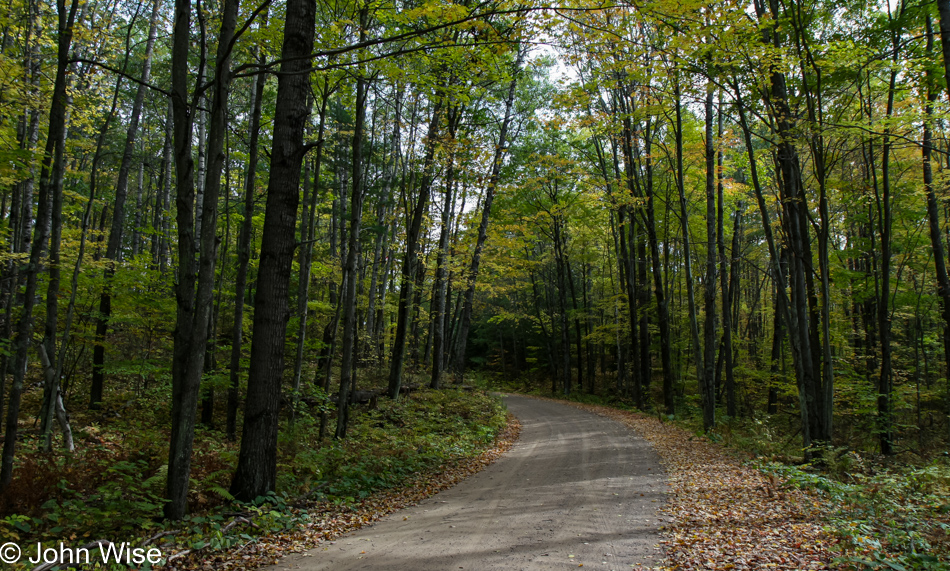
point(576, 489)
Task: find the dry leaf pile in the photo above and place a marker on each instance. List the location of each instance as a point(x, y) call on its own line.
point(329, 521)
point(725, 515)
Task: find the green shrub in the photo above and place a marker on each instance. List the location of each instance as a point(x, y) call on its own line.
point(887, 520)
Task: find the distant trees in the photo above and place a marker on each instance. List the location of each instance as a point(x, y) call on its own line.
point(765, 149)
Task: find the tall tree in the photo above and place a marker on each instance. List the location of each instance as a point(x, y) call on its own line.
point(256, 472)
point(698, 355)
point(411, 261)
point(708, 378)
point(501, 147)
point(350, 277)
point(244, 246)
point(195, 289)
point(933, 211)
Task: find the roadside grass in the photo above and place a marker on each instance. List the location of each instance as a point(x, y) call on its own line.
point(111, 487)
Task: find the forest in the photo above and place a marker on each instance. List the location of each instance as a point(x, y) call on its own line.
point(238, 221)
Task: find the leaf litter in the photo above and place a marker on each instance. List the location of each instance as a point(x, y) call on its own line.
point(724, 515)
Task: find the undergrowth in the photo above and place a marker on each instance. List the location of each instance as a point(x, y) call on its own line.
point(883, 518)
point(112, 486)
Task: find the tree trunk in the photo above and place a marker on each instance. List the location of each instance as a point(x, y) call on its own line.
point(256, 472)
point(21, 215)
point(687, 258)
point(48, 343)
point(307, 238)
point(943, 7)
point(440, 286)
point(561, 287)
point(137, 214)
point(195, 290)
point(377, 286)
point(160, 213)
point(578, 338)
point(933, 214)
point(800, 329)
point(659, 290)
point(244, 249)
point(350, 277)
point(628, 281)
point(778, 337)
point(643, 300)
point(727, 283)
point(53, 366)
point(56, 409)
point(707, 385)
point(113, 249)
point(411, 261)
point(791, 319)
point(465, 321)
point(886, 381)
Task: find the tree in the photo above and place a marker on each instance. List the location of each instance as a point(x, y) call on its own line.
point(493, 179)
point(353, 246)
point(194, 291)
point(256, 472)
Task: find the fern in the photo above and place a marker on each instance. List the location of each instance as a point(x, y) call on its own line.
point(220, 491)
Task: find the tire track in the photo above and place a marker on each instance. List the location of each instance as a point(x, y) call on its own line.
point(576, 490)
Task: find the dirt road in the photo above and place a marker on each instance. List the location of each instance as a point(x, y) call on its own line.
point(575, 490)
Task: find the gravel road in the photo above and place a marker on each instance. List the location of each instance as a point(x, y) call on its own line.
point(575, 490)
